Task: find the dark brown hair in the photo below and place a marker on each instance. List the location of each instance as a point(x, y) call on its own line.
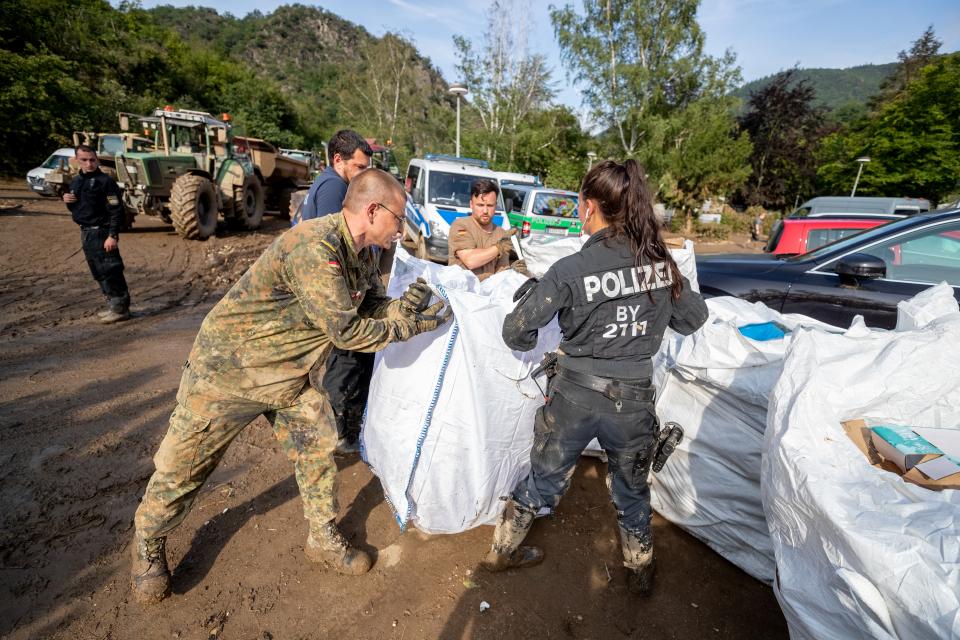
point(625, 202)
point(85, 148)
point(482, 187)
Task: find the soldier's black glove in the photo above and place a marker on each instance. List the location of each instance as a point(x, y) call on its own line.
point(411, 324)
point(524, 288)
point(417, 296)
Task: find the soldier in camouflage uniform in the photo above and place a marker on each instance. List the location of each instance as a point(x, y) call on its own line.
point(317, 285)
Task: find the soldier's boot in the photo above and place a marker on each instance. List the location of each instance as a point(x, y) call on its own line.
point(326, 544)
point(506, 552)
point(104, 313)
point(639, 562)
point(150, 577)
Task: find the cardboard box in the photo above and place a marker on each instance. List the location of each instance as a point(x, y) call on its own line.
point(859, 432)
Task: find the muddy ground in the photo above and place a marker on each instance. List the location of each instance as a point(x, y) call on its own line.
point(84, 407)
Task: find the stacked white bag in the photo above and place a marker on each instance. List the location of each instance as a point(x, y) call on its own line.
point(716, 384)
point(861, 553)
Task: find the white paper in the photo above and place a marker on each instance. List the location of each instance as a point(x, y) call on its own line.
point(947, 440)
point(938, 468)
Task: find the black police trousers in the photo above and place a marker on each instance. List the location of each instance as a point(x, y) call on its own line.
point(346, 382)
point(106, 267)
point(566, 425)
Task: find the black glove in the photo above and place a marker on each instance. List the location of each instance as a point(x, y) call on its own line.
point(428, 320)
point(524, 288)
point(417, 296)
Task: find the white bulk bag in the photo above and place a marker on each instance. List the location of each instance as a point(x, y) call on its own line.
point(861, 553)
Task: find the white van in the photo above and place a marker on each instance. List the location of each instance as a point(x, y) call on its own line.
point(36, 178)
point(438, 192)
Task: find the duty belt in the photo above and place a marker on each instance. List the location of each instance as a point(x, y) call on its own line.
point(613, 389)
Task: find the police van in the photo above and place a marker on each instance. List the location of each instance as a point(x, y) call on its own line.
point(438, 192)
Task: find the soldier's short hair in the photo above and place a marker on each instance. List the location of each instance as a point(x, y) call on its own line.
point(482, 187)
point(346, 142)
point(372, 185)
point(86, 148)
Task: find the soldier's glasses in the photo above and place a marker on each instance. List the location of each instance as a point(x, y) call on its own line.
point(400, 219)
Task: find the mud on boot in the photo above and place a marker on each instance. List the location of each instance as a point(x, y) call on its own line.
point(506, 552)
point(149, 575)
point(326, 545)
point(639, 562)
point(640, 581)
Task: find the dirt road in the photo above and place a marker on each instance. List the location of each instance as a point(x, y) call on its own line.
point(84, 407)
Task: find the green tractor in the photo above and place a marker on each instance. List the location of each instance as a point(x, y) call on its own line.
point(194, 174)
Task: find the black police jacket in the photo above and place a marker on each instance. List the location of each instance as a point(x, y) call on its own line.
point(611, 312)
point(99, 201)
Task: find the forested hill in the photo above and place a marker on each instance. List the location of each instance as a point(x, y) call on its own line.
point(292, 76)
point(836, 89)
point(307, 50)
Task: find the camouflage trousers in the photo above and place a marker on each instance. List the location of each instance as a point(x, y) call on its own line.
point(205, 422)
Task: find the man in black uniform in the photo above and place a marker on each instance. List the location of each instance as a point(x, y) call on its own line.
point(94, 200)
point(614, 299)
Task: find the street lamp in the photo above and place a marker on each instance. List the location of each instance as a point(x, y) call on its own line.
point(591, 156)
point(862, 160)
point(458, 90)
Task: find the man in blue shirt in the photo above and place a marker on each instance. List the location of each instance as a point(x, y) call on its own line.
point(349, 154)
point(346, 378)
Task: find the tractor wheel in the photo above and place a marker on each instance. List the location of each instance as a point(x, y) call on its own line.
point(193, 207)
point(283, 203)
point(422, 252)
point(248, 205)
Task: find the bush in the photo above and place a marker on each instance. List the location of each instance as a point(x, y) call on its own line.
point(711, 232)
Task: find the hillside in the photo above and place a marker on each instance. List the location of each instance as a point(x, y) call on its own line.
point(836, 88)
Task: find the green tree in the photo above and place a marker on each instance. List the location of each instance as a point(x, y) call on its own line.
point(638, 61)
point(785, 129)
point(506, 81)
point(913, 141)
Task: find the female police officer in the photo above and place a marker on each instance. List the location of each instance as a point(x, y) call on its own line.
point(614, 299)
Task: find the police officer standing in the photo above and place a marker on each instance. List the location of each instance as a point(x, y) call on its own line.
point(614, 299)
point(94, 201)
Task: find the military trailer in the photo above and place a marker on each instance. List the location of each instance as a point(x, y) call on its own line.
point(280, 173)
point(194, 174)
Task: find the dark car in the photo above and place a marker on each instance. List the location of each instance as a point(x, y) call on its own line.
point(866, 274)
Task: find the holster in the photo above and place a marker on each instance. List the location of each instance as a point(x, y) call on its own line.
point(547, 366)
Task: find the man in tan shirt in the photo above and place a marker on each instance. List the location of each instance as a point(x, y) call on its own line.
point(475, 242)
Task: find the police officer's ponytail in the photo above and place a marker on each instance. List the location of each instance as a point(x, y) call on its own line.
point(625, 201)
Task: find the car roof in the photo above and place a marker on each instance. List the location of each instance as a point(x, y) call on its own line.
point(556, 191)
point(454, 167)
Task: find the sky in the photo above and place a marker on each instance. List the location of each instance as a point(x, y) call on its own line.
point(767, 35)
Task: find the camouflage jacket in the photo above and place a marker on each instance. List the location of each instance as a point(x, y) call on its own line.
point(309, 289)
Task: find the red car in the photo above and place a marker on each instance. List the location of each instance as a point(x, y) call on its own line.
point(794, 236)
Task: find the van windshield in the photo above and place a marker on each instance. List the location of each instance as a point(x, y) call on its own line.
point(52, 162)
point(453, 189)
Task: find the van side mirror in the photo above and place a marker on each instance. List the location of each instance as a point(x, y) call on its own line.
point(860, 266)
point(417, 195)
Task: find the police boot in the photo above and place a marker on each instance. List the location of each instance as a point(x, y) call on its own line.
point(112, 316)
point(512, 528)
point(639, 562)
point(326, 544)
point(348, 441)
point(150, 577)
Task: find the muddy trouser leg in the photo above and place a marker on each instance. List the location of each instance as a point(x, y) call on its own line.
point(106, 268)
point(346, 381)
point(561, 431)
point(204, 423)
point(305, 430)
point(628, 439)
